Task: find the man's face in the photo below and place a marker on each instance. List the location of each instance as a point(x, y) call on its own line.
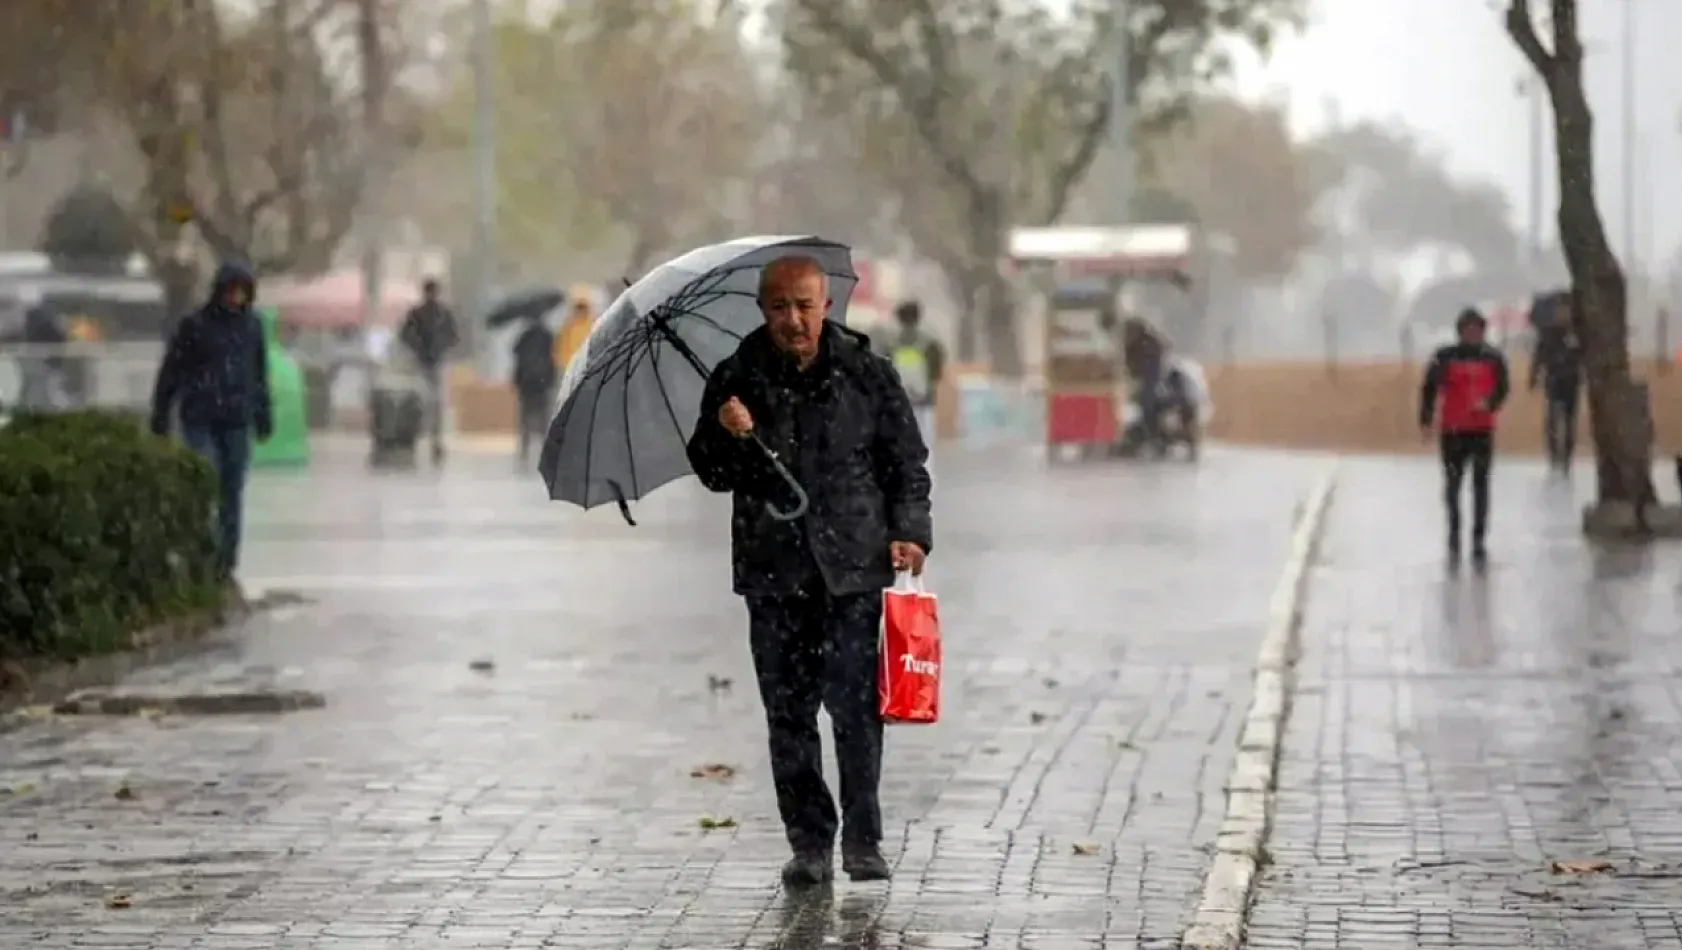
point(1472, 332)
point(795, 305)
point(235, 296)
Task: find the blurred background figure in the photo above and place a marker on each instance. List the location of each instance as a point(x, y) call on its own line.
point(574, 330)
point(40, 375)
point(430, 334)
point(1556, 365)
point(920, 361)
point(534, 378)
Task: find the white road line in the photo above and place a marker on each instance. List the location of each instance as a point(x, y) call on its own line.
point(1239, 847)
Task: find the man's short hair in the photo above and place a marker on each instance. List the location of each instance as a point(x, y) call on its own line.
point(794, 265)
point(909, 311)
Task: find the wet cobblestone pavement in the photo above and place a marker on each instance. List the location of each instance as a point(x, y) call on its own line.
point(1101, 624)
point(1479, 762)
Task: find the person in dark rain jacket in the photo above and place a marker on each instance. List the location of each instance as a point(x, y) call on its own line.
point(430, 334)
point(215, 374)
point(534, 382)
point(1464, 389)
point(813, 392)
point(1557, 367)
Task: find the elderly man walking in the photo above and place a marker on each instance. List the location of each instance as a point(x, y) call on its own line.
point(815, 394)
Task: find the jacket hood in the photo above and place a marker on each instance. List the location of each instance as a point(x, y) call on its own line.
point(230, 274)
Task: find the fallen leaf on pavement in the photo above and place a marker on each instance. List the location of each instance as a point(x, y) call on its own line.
point(482, 666)
point(713, 824)
point(18, 791)
point(1580, 867)
point(1085, 849)
point(715, 771)
point(119, 901)
point(1036, 717)
point(124, 793)
point(718, 684)
point(1127, 744)
point(151, 712)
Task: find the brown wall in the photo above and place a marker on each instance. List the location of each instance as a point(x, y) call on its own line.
point(1374, 407)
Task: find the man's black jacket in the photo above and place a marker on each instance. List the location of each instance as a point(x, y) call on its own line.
point(215, 368)
point(429, 332)
point(846, 430)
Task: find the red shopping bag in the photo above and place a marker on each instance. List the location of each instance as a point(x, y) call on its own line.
point(908, 689)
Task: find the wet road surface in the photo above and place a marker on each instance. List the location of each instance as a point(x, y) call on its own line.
point(1453, 737)
point(1101, 625)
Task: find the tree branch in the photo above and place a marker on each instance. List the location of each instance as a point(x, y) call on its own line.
point(1522, 28)
point(922, 106)
point(206, 23)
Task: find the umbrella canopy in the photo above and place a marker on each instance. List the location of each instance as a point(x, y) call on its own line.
point(533, 303)
point(631, 395)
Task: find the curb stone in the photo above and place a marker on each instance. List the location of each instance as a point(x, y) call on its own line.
point(1240, 845)
point(54, 682)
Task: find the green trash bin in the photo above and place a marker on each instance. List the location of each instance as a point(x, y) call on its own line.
point(290, 443)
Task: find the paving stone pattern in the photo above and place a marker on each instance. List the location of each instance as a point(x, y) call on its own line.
point(1454, 736)
point(1100, 627)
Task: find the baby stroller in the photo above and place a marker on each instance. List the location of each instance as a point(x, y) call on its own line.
point(396, 413)
point(1184, 410)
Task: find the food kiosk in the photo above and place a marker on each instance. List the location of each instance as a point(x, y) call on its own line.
point(1079, 276)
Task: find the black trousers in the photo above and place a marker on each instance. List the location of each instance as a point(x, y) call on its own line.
point(1462, 451)
point(811, 650)
point(533, 422)
point(1559, 423)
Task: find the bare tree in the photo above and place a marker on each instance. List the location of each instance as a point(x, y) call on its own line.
point(242, 124)
point(665, 145)
point(1006, 103)
point(1622, 451)
point(1242, 174)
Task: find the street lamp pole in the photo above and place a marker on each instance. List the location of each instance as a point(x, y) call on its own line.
point(484, 158)
point(1631, 256)
point(1530, 88)
point(1121, 117)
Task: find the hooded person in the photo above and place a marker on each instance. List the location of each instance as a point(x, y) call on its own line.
point(214, 376)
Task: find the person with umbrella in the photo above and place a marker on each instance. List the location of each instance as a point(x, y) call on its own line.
point(1556, 366)
point(813, 394)
point(429, 334)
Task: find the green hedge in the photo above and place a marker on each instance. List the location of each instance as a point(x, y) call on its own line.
point(104, 530)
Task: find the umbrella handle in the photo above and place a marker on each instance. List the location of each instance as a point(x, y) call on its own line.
point(801, 500)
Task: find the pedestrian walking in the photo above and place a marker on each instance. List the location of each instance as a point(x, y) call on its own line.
point(41, 366)
point(215, 372)
point(920, 361)
point(1556, 365)
point(1464, 389)
point(534, 382)
point(813, 393)
point(429, 333)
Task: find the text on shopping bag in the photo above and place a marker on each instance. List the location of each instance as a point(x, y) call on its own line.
point(909, 685)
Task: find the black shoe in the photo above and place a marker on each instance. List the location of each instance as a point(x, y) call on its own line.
point(864, 862)
point(1480, 556)
point(809, 869)
point(1454, 551)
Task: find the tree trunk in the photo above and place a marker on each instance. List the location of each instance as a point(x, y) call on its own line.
point(999, 320)
point(1622, 454)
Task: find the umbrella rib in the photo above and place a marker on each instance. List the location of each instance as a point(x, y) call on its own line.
point(630, 446)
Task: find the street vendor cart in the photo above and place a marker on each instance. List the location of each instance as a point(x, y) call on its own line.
point(1080, 276)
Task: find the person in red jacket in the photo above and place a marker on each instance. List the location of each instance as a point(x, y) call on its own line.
point(1464, 388)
